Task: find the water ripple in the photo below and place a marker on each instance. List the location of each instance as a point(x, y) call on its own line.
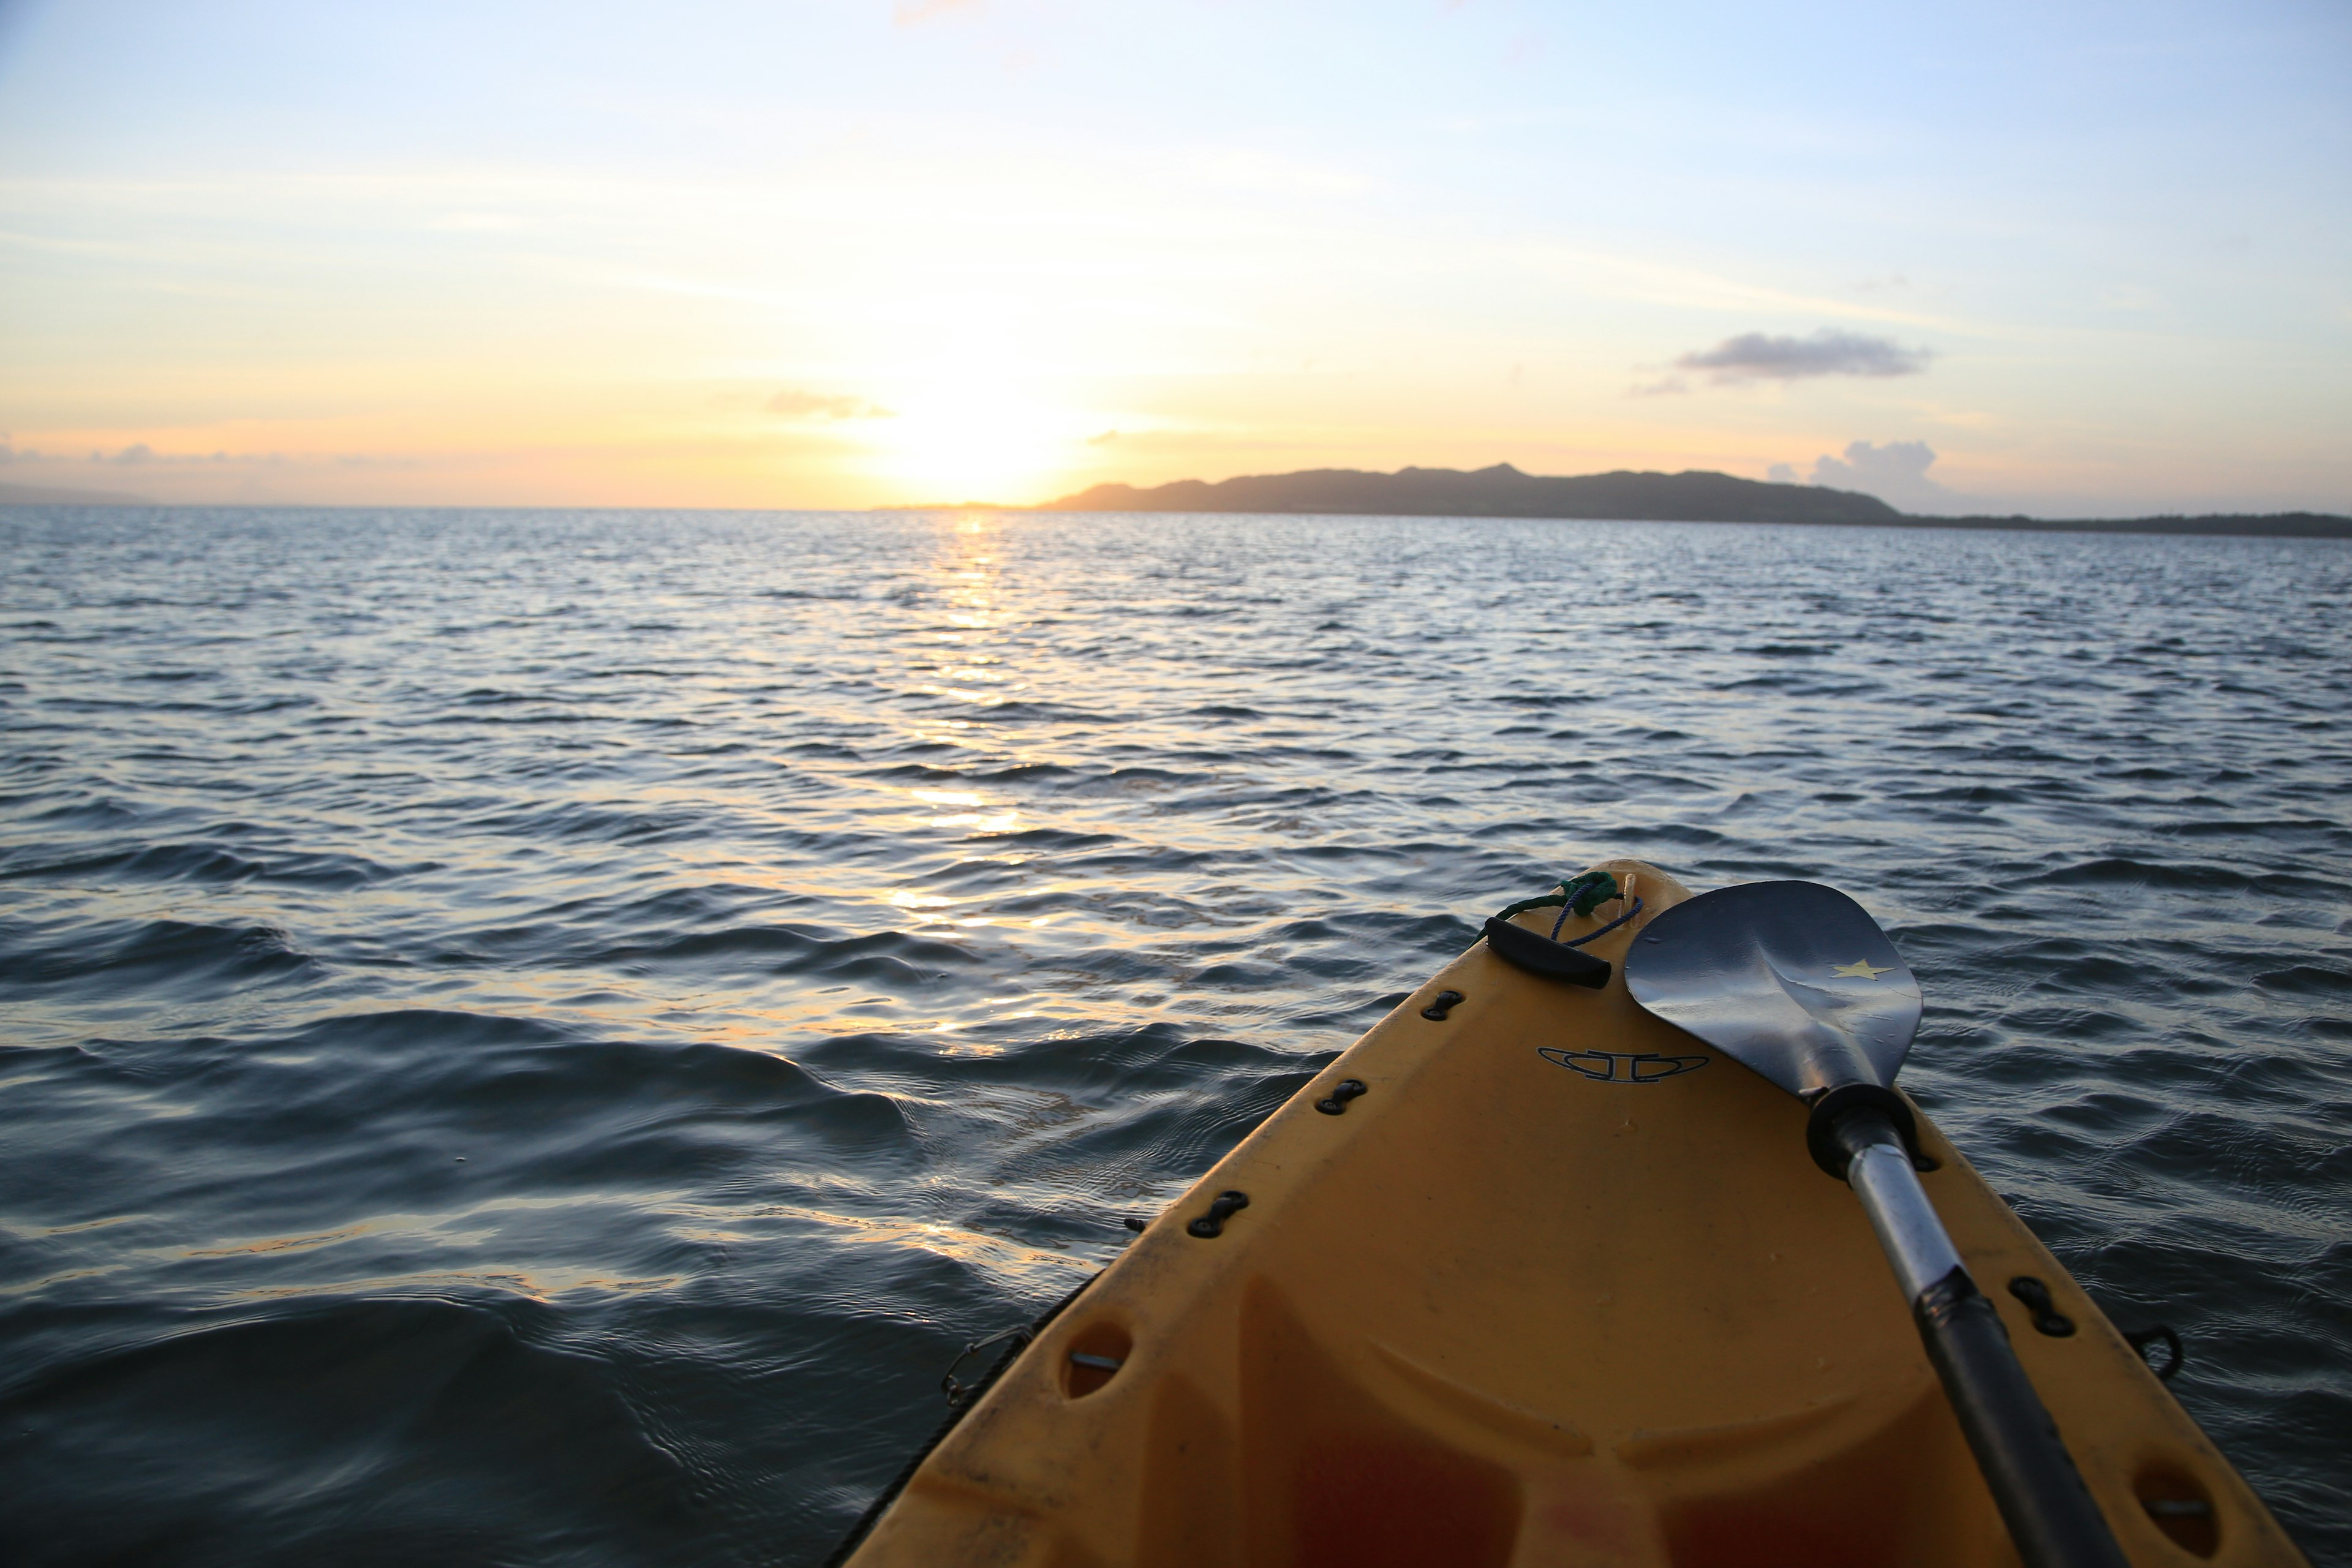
point(535, 1036)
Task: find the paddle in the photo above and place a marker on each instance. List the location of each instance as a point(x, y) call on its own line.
point(1796, 981)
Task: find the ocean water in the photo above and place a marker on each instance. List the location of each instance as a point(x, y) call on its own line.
point(533, 1037)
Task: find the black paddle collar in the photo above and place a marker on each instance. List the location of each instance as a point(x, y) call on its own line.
point(1825, 1135)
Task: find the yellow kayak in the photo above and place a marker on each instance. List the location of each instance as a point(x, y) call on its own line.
point(1528, 1277)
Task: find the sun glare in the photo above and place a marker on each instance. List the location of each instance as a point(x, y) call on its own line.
point(973, 437)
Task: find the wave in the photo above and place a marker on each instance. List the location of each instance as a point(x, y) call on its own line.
point(510, 1060)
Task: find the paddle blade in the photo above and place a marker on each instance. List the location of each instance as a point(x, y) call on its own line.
point(1792, 979)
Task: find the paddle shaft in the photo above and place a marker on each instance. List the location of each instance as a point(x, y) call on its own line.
point(2042, 1498)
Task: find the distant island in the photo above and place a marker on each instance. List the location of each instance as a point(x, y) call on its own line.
point(51, 495)
point(1693, 496)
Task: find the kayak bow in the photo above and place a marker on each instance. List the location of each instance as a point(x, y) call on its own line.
point(1555, 1283)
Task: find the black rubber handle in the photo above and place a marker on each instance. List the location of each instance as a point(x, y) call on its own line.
point(1523, 949)
point(2050, 1513)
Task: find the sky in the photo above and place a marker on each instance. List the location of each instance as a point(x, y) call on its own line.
point(2074, 260)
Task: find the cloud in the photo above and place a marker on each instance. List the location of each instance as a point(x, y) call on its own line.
point(1760, 356)
point(144, 455)
point(1104, 439)
point(138, 453)
point(910, 13)
point(1255, 169)
point(795, 404)
point(1896, 473)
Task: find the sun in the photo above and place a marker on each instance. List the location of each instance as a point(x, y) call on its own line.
point(972, 437)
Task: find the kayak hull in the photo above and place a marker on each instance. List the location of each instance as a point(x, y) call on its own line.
point(1562, 1286)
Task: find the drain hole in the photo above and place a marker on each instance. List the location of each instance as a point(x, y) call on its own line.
point(1094, 1358)
point(2178, 1505)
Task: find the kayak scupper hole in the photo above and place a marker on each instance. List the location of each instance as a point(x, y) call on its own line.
point(2178, 1505)
point(1094, 1356)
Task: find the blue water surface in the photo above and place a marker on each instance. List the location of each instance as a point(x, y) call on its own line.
point(533, 1037)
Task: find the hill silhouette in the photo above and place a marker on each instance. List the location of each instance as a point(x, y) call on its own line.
point(1694, 494)
point(53, 494)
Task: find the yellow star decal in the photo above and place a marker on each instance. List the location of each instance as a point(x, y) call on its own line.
point(1862, 969)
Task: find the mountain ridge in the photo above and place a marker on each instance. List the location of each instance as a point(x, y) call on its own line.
point(1624, 495)
point(57, 495)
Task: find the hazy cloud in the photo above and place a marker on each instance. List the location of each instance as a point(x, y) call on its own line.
point(908, 12)
point(1896, 473)
point(139, 454)
point(1104, 439)
point(1255, 169)
point(1760, 356)
point(475, 223)
point(172, 476)
point(795, 404)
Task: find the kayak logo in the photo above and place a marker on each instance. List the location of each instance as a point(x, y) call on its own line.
point(1612, 1067)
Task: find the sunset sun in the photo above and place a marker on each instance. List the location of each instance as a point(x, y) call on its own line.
point(972, 437)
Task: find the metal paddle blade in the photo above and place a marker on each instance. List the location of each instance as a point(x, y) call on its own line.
point(1792, 979)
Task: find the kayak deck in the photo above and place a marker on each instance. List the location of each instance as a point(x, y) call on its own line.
point(1560, 1286)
